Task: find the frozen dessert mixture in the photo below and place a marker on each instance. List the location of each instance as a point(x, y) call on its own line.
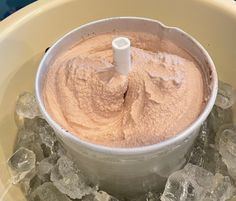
point(162, 95)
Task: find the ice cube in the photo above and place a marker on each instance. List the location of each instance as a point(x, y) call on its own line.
point(221, 189)
point(200, 146)
point(29, 184)
point(99, 196)
point(226, 95)
point(205, 154)
point(219, 117)
point(213, 161)
point(22, 162)
point(46, 133)
point(30, 140)
point(25, 137)
point(103, 196)
point(43, 131)
point(47, 192)
point(26, 106)
point(226, 139)
point(69, 180)
point(45, 166)
point(194, 183)
point(59, 149)
point(38, 136)
point(151, 196)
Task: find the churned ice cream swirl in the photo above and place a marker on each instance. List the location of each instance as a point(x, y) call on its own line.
point(161, 96)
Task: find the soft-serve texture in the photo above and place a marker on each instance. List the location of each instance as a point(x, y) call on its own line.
point(162, 95)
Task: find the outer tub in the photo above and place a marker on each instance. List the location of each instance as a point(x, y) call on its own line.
point(25, 35)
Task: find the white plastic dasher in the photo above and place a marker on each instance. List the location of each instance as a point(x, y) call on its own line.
point(122, 55)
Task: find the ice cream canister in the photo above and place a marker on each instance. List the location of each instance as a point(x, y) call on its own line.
point(131, 171)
